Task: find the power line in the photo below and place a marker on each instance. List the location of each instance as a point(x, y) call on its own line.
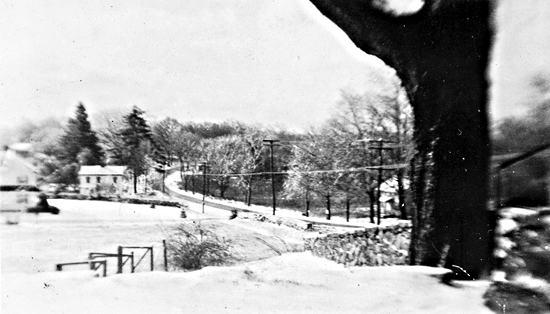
point(351, 170)
point(391, 143)
point(353, 146)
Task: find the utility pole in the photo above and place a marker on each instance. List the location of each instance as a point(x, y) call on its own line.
point(307, 201)
point(328, 213)
point(271, 143)
point(380, 148)
point(163, 177)
point(204, 165)
point(193, 177)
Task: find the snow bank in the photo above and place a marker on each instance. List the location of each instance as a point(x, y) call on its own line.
point(291, 283)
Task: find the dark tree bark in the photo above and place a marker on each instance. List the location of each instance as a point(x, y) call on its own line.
point(441, 55)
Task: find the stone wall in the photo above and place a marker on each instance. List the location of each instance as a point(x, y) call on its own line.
point(369, 247)
point(521, 280)
point(523, 243)
point(288, 222)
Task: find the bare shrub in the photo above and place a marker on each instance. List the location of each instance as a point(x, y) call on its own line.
point(193, 247)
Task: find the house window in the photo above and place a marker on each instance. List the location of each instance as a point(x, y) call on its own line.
point(98, 179)
point(114, 179)
point(22, 198)
point(87, 179)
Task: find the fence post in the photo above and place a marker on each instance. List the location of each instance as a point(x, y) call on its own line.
point(105, 268)
point(119, 260)
point(90, 257)
point(165, 256)
point(132, 261)
point(152, 265)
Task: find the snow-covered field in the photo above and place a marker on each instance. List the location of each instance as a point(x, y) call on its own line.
point(290, 283)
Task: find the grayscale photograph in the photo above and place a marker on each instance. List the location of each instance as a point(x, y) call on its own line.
point(275, 156)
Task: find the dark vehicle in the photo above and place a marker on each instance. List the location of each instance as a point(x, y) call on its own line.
point(43, 207)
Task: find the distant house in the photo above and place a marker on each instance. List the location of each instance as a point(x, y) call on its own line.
point(18, 178)
point(15, 170)
point(389, 194)
point(98, 179)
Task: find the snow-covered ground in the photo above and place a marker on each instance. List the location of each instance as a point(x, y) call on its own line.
point(290, 283)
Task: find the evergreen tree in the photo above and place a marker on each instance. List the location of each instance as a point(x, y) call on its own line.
point(79, 143)
point(136, 135)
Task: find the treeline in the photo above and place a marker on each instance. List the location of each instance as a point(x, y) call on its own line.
point(336, 162)
point(526, 183)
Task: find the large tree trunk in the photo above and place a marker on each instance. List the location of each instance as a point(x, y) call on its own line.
point(422, 175)
point(441, 56)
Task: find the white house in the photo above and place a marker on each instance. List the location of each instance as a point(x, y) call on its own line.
point(16, 170)
point(98, 179)
point(18, 178)
point(389, 196)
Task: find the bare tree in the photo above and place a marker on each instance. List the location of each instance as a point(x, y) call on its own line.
point(252, 138)
point(392, 112)
point(225, 155)
point(382, 113)
point(313, 168)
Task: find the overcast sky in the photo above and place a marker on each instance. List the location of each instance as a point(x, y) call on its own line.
point(256, 61)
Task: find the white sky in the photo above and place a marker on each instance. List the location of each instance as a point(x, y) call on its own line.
point(256, 61)
point(521, 51)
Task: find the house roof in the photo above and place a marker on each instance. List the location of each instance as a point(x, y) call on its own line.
point(21, 147)
point(12, 167)
point(101, 171)
point(10, 159)
point(391, 185)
